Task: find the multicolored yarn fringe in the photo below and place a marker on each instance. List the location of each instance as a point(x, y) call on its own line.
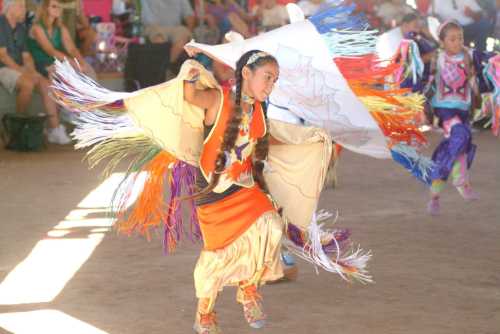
point(394, 109)
point(151, 209)
point(336, 16)
point(412, 66)
point(104, 124)
point(328, 249)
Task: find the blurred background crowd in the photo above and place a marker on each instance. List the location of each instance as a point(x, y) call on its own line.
point(131, 44)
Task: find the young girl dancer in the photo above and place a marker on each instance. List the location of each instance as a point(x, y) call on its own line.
point(454, 87)
point(241, 229)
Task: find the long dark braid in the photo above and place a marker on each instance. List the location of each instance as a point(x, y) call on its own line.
point(260, 155)
point(229, 140)
point(233, 126)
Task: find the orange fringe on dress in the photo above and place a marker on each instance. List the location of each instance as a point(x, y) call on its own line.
point(150, 209)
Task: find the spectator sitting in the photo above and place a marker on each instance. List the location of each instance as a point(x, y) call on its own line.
point(17, 70)
point(392, 11)
point(271, 15)
point(230, 16)
point(468, 13)
point(49, 40)
point(163, 21)
point(78, 25)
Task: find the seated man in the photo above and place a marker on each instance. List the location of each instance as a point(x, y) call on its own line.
point(163, 21)
point(17, 70)
point(469, 14)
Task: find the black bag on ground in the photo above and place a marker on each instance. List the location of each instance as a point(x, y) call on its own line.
point(24, 132)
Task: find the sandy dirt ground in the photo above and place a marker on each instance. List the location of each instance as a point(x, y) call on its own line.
point(434, 275)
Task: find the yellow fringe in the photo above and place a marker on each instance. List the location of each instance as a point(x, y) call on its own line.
point(116, 150)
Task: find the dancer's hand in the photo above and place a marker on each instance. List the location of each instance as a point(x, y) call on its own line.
point(193, 75)
point(192, 50)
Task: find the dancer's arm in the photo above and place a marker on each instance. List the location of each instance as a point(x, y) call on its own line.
point(193, 51)
point(207, 99)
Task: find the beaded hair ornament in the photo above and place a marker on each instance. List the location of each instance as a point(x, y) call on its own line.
point(256, 56)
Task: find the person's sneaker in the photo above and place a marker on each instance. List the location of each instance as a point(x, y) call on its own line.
point(467, 193)
point(252, 306)
point(206, 324)
point(433, 207)
point(58, 135)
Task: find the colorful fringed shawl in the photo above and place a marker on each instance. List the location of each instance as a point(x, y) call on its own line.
point(331, 78)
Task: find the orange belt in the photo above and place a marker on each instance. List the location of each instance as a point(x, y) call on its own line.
point(224, 221)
